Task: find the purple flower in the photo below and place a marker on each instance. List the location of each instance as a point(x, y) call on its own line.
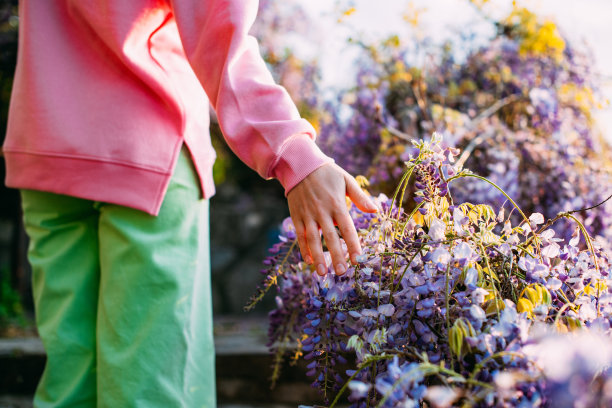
point(440, 258)
point(477, 313)
point(437, 230)
point(386, 310)
point(478, 295)
point(359, 389)
point(441, 397)
point(463, 253)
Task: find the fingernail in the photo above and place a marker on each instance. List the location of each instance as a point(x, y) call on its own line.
point(374, 206)
point(340, 269)
point(354, 256)
point(308, 259)
point(321, 269)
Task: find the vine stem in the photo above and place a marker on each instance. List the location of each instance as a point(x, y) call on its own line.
point(509, 274)
point(560, 312)
point(351, 378)
point(564, 214)
point(410, 217)
point(482, 363)
point(589, 243)
point(591, 207)
point(490, 272)
point(501, 190)
point(396, 285)
point(399, 133)
point(274, 280)
point(430, 369)
point(587, 238)
point(447, 298)
point(403, 184)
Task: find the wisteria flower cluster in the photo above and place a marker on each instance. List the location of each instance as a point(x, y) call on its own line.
point(520, 107)
point(450, 304)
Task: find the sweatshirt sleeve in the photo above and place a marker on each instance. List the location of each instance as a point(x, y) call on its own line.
point(257, 117)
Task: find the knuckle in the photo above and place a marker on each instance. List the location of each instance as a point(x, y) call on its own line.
point(348, 232)
point(313, 236)
point(342, 217)
point(330, 232)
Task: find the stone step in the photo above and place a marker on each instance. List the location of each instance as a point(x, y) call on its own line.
point(242, 361)
point(12, 401)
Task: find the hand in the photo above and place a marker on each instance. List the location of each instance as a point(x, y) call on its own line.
point(318, 202)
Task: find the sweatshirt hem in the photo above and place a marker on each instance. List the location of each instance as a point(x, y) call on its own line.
point(90, 179)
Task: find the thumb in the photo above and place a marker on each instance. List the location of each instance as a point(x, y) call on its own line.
point(363, 201)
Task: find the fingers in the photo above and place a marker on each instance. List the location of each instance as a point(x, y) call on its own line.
point(316, 204)
point(335, 247)
point(313, 242)
point(347, 229)
point(300, 232)
point(309, 241)
point(358, 196)
point(345, 223)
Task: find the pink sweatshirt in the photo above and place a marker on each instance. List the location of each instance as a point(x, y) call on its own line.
point(107, 91)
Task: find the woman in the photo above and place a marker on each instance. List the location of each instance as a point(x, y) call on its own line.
point(108, 141)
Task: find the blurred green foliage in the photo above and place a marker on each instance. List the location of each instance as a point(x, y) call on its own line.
point(11, 309)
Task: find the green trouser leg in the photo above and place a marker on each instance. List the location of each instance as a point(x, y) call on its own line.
point(65, 278)
point(123, 299)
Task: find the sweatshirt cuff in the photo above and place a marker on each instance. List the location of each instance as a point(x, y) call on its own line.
point(299, 157)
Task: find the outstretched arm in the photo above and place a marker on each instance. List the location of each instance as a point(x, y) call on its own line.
point(262, 125)
point(259, 121)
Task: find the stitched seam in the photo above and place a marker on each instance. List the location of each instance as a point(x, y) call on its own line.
point(88, 158)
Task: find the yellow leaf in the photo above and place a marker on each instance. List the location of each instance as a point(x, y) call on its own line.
point(524, 305)
point(495, 306)
point(574, 324)
point(592, 290)
point(543, 294)
point(562, 328)
point(531, 294)
point(487, 272)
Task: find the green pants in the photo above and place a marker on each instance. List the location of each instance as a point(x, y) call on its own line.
point(122, 299)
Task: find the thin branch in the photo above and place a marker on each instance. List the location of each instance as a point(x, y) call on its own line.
point(400, 134)
point(395, 132)
point(479, 119)
point(591, 207)
point(494, 108)
point(551, 221)
point(420, 101)
point(471, 146)
point(473, 125)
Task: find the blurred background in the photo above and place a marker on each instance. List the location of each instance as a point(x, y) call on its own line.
point(523, 88)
